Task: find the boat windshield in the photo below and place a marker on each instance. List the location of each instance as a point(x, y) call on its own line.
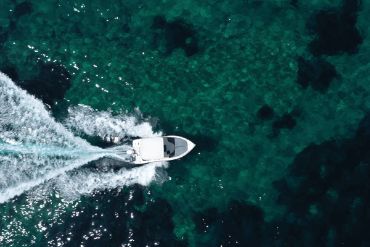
point(174, 147)
point(169, 147)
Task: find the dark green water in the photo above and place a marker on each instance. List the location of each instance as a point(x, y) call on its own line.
point(274, 93)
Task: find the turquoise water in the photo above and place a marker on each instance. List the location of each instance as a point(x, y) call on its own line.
point(274, 93)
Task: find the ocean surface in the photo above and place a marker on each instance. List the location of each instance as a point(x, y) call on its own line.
point(274, 93)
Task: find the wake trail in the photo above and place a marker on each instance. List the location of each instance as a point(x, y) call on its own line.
point(34, 148)
point(85, 120)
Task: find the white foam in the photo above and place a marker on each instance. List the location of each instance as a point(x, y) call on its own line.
point(85, 182)
point(20, 187)
point(35, 149)
point(24, 119)
point(84, 119)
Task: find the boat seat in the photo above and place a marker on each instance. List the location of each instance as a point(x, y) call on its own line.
point(169, 147)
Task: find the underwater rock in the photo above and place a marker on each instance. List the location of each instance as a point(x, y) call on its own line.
point(294, 3)
point(327, 193)
point(84, 218)
point(20, 10)
point(11, 72)
point(240, 225)
point(3, 36)
point(159, 22)
point(23, 8)
point(125, 215)
point(335, 30)
point(50, 85)
point(363, 130)
point(175, 34)
point(316, 73)
point(284, 122)
point(265, 112)
point(154, 225)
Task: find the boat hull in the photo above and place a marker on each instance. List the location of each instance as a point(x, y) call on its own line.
point(157, 149)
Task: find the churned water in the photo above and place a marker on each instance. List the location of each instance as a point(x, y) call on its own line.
point(34, 148)
point(274, 93)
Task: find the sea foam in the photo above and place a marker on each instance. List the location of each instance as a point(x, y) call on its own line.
point(36, 150)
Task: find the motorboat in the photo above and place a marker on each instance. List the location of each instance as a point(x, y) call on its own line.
point(164, 148)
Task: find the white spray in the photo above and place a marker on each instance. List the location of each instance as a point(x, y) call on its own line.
point(34, 148)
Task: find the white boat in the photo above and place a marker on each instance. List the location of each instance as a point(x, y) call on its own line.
point(164, 148)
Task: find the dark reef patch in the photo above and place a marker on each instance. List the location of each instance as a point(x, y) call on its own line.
point(155, 225)
point(240, 225)
point(363, 130)
point(265, 112)
point(316, 73)
point(327, 193)
point(335, 30)
point(294, 3)
point(125, 215)
point(286, 121)
point(10, 71)
point(50, 85)
point(82, 223)
point(21, 9)
point(173, 35)
point(3, 36)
